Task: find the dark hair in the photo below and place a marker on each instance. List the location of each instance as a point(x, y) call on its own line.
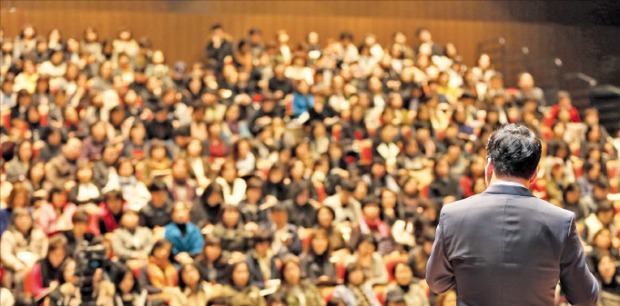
point(514, 151)
point(297, 188)
point(262, 235)
point(350, 269)
point(255, 182)
point(348, 185)
point(346, 35)
point(157, 185)
point(276, 298)
point(420, 30)
point(569, 188)
point(335, 301)
point(325, 207)
point(57, 242)
point(428, 235)
point(212, 188)
point(316, 233)
point(182, 283)
point(285, 262)
point(371, 200)
point(229, 207)
point(394, 297)
point(231, 270)
point(218, 301)
point(588, 165)
point(113, 194)
point(80, 216)
point(366, 238)
point(279, 207)
point(400, 263)
point(119, 275)
point(557, 145)
point(213, 241)
point(159, 244)
point(604, 206)
point(56, 190)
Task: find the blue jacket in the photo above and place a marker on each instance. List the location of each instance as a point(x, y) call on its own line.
point(191, 243)
point(302, 104)
point(5, 220)
point(507, 247)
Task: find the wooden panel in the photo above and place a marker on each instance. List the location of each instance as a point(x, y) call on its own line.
point(181, 28)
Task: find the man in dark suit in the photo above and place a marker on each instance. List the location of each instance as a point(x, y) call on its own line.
point(505, 246)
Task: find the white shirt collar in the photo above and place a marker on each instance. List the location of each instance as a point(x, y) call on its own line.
point(507, 183)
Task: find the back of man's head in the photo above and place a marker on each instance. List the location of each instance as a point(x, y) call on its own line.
point(514, 151)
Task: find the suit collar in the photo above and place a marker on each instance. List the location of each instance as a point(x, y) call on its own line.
point(508, 189)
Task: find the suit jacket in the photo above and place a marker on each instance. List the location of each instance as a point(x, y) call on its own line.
point(507, 247)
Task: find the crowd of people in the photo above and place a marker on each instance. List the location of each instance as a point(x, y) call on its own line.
point(269, 173)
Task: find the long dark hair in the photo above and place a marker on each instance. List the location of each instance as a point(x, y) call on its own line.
point(182, 283)
point(231, 270)
point(118, 277)
point(318, 233)
point(212, 188)
point(350, 269)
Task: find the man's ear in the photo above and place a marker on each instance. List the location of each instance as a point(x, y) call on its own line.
point(488, 171)
point(534, 177)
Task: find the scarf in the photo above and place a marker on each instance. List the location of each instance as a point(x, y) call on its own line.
point(368, 227)
point(162, 277)
point(360, 296)
point(109, 219)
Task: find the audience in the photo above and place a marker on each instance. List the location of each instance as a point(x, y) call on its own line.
point(256, 176)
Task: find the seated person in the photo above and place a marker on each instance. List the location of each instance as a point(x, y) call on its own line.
point(325, 221)
point(261, 260)
point(186, 238)
point(239, 291)
point(22, 245)
point(158, 211)
point(212, 262)
point(606, 271)
point(371, 224)
point(250, 206)
point(132, 243)
point(419, 255)
point(85, 191)
point(111, 211)
point(285, 239)
point(316, 264)
point(407, 286)
point(56, 214)
point(370, 260)
point(79, 233)
point(159, 274)
point(355, 290)
point(127, 290)
point(231, 232)
point(192, 289)
point(47, 273)
point(296, 290)
point(301, 212)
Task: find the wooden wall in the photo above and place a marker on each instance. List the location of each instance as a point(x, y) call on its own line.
point(181, 28)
